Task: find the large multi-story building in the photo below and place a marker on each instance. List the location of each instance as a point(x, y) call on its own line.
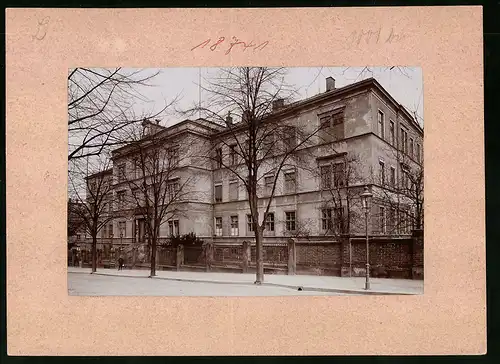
point(365, 138)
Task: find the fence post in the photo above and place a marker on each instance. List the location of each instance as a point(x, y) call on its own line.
point(292, 268)
point(245, 256)
point(180, 256)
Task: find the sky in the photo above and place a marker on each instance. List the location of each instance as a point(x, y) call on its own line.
point(403, 83)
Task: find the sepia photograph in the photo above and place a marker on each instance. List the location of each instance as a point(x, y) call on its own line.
point(245, 181)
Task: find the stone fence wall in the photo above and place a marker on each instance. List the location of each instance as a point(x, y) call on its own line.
point(389, 257)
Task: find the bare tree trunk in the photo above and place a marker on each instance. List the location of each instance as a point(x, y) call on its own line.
point(94, 254)
point(258, 239)
point(259, 256)
point(153, 254)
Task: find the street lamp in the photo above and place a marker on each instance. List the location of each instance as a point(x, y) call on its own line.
point(366, 198)
point(121, 240)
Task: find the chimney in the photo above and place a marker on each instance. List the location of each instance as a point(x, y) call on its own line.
point(278, 104)
point(330, 84)
point(229, 119)
point(157, 121)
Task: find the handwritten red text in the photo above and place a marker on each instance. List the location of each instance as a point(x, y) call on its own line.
point(228, 45)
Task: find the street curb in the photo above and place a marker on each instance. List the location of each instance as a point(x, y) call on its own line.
point(294, 287)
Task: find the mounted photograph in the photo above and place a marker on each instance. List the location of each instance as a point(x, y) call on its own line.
point(245, 181)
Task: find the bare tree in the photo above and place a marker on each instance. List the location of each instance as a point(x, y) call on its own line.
point(340, 180)
point(403, 197)
point(92, 200)
point(75, 222)
point(257, 142)
point(155, 187)
point(101, 107)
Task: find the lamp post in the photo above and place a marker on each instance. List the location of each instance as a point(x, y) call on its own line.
point(366, 197)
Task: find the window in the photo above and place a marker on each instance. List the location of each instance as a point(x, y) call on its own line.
point(104, 231)
point(218, 157)
point(173, 155)
point(404, 140)
point(218, 193)
point(382, 172)
point(233, 190)
point(122, 228)
point(403, 221)
point(338, 174)
point(393, 177)
point(382, 219)
point(290, 182)
point(233, 157)
point(326, 220)
point(249, 223)
point(290, 221)
point(218, 226)
point(268, 144)
point(391, 126)
point(411, 221)
point(325, 122)
point(338, 118)
point(326, 176)
point(268, 185)
point(418, 153)
point(137, 168)
point(173, 227)
point(110, 230)
point(404, 178)
point(270, 221)
point(290, 138)
point(234, 226)
point(411, 147)
point(92, 186)
point(121, 173)
point(121, 199)
point(106, 184)
point(339, 219)
point(176, 227)
point(331, 120)
point(173, 190)
point(381, 124)
point(135, 194)
point(392, 220)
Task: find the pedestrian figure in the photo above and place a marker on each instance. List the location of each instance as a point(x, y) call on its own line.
point(120, 263)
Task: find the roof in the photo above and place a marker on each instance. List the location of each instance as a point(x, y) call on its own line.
point(367, 83)
point(199, 122)
point(324, 96)
point(106, 171)
point(216, 129)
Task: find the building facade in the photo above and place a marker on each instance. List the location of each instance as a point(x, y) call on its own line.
point(362, 137)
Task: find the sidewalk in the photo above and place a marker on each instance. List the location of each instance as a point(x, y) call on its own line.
point(307, 283)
